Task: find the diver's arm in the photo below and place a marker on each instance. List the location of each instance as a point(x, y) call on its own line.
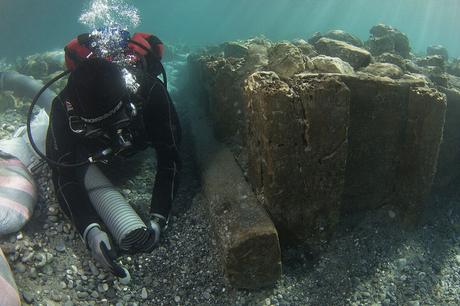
point(62, 146)
point(162, 124)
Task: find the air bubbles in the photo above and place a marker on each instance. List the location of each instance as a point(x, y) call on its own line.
point(108, 13)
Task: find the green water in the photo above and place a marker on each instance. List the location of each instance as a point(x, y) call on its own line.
point(29, 26)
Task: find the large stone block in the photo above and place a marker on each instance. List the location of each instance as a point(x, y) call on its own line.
point(297, 138)
point(223, 80)
point(421, 138)
point(449, 155)
point(388, 39)
point(356, 57)
point(391, 122)
point(286, 60)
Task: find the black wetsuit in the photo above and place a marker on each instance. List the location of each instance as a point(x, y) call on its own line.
point(160, 128)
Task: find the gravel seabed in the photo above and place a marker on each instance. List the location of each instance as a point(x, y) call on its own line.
point(377, 262)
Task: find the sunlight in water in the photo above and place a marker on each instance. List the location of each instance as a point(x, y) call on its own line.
point(102, 13)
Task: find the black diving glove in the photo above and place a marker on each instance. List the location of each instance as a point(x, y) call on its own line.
point(158, 224)
point(98, 243)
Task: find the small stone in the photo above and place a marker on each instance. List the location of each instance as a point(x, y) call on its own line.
point(63, 285)
point(268, 301)
point(402, 262)
point(102, 287)
point(68, 303)
point(60, 246)
point(94, 294)
point(48, 270)
point(33, 273)
point(144, 294)
point(94, 270)
point(28, 297)
point(19, 236)
point(82, 295)
point(414, 303)
point(28, 257)
point(41, 259)
point(56, 297)
point(391, 214)
point(20, 267)
point(206, 295)
point(74, 269)
point(177, 299)
point(457, 258)
point(53, 219)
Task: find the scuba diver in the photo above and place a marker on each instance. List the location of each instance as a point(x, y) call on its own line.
point(113, 105)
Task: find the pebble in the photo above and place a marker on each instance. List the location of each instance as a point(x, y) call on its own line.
point(28, 257)
point(33, 273)
point(56, 297)
point(94, 270)
point(144, 294)
point(11, 129)
point(177, 299)
point(102, 287)
point(41, 258)
point(94, 294)
point(60, 246)
point(68, 303)
point(28, 297)
point(402, 262)
point(20, 268)
point(82, 295)
point(53, 219)
point(391, 214)
point(268, 301)
point(414, 303)
point(457, 258)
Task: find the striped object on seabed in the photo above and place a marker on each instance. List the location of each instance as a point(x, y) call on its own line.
point(8, 291)
point(18, 194)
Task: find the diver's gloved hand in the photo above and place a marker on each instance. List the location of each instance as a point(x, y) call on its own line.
point(98, 243)
point(158, 224)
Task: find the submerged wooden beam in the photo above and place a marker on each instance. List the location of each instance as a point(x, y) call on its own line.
point(247, 239)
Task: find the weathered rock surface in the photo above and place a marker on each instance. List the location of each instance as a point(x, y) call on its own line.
point(388, 39)
point(286, 60)
point(384, 70)
point(223, 79)
point(297, 141)
point(356, 57)
point(432, 60)
point(454, 67)
point(438, 50)
point(389, 122)
point(391, 58)
point(235, 49)
point(449, 155)
point(41, 65)
point(327, 64)
point(338, 35)
point(306, 48)
point(421, 139)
